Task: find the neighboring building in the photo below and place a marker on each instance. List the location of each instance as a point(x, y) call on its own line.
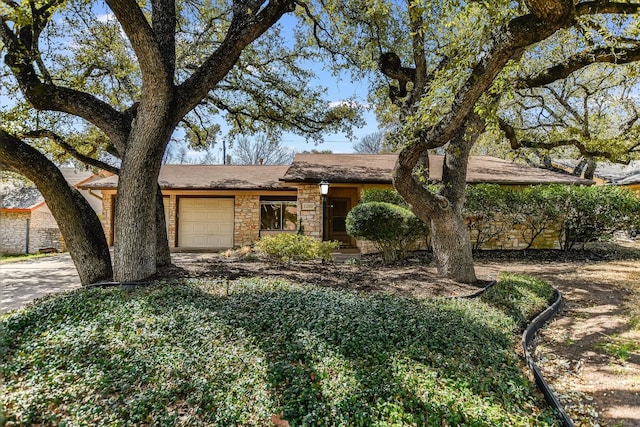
point(223, 206)
point(626, 175)
point(26, 223)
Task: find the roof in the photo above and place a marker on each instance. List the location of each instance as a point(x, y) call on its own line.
point(617, 173)
point(16, 194)
point(377, 168)
point(210, 177)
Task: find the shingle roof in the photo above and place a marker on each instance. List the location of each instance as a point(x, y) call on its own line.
point(15, 194)
point(210, 177)
point(377, 168)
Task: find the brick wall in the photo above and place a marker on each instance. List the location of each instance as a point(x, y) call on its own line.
point(170, 214)
point(13, 232)
point(247, 220)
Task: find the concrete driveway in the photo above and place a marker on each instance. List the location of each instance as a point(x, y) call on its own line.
point(23, 281)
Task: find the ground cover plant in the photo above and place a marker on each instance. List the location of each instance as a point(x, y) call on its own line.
point(241, 352)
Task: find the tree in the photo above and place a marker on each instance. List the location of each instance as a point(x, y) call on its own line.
point(260, 150)
point(178, 64)
point(373, 143)
point(78, 222)
point(592, 114)
point(448, 63)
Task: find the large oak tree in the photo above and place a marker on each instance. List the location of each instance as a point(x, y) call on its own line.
point(447, 63)
point(178, 64)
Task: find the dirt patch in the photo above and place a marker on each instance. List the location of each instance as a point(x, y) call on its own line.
point(590, 353)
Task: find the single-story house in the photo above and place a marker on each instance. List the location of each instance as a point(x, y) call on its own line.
point(212, 207)
point(26, 223)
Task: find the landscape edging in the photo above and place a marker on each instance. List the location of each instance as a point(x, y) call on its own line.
point(527, 337)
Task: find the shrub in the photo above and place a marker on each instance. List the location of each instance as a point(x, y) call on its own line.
point(386, 195)
point(390, 227)
point(296, 247)
point(488, 212)
point(595, 213)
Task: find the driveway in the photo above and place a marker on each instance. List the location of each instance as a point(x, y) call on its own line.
point(22, 282)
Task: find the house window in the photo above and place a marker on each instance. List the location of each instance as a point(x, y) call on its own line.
point(278, 215)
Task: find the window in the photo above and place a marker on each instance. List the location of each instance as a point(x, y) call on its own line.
point(278, 215)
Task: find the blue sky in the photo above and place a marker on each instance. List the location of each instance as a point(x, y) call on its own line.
point(338, 90)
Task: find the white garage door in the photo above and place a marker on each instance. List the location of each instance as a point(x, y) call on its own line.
point(205, 223)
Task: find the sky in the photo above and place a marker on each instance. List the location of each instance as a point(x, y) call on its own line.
point(337, 91)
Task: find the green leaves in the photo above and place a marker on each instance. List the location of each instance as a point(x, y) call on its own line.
point(210, 353)
point(390, 227)
point(288, 247)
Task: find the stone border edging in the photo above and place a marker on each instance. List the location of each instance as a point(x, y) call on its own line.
point(527, 337)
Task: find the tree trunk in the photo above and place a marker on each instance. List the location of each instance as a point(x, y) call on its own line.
point(136, 251)
point(443, 211)
point(451, 246)
point(78, 223)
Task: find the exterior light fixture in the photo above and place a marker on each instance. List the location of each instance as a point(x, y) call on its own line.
point(324, 190)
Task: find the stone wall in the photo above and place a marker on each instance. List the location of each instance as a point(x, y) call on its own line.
point(13, 232)
point(310, 209)
point(44, 232)
point(512, 239)
point(247, 220)
point(107, 212)
point(170, 216)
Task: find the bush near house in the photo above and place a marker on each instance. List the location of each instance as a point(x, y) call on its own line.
point(580, 214)
point(495, 213)
point(249, 351)
point(386, 195)
point(391, 228)
point(296, 247)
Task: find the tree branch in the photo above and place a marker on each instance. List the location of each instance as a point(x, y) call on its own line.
point(610, 55)
point(243, 30)
point(144, 43)
point(45, 133)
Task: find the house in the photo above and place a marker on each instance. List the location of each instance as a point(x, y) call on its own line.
point(212, 207)
point(26, 223)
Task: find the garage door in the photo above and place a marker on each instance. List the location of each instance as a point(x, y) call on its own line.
point(205, 223)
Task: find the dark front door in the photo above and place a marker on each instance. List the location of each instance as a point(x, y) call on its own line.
point(339, 207)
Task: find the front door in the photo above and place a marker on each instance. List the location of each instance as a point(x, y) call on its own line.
point(339, 207)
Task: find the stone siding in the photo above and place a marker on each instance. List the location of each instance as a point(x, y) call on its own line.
point(310, 209)
point(171, 215)
point(13, 232)
point(107, 212)
point(44, 232)
point(247, 220)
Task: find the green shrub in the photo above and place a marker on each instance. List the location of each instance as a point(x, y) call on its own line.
point(582, 214)
point(390, 227)
point(489, 212)
point(296, 247)
point(386, 195)
point(595, 213)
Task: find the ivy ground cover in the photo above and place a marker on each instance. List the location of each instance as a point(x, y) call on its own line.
point(253, 352)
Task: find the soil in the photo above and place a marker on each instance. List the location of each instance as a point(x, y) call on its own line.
point(590, 353)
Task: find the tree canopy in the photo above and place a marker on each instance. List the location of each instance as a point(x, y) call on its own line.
point(131, 73)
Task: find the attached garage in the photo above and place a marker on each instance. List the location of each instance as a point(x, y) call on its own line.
point(205, 222)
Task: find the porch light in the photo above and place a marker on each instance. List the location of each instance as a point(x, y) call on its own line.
point(324, 188)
